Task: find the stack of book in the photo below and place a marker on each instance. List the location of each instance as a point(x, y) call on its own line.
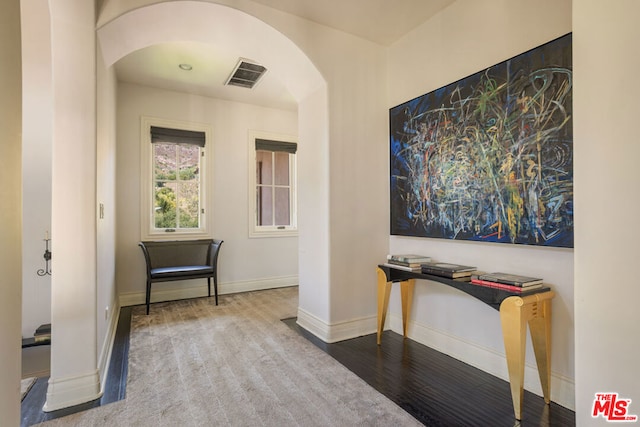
point(409, 262)
point(509, 282)
point(43, 333)
point(443, 269)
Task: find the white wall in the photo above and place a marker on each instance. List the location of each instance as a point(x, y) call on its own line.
point(356, 163)
point(313, 208)
point(11, 213)
point(107, 308)
point(36, 161)
point(463, 39)
point(358, 157)
point(606, 194)
point(242, 261)
point(74, 375)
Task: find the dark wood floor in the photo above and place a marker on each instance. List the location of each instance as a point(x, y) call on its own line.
point(115, 383)
point(437, 389)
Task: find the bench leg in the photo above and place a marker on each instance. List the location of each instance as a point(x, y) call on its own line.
point(215, 287)
point(148, 295)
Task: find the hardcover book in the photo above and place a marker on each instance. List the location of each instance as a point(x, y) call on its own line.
point(447, 270)
point(402, 267)
point(511, 279)
point(43, 329)
point(408, 258)
point(43, 333)
point(511, 288)
point(42, 338)
point(405, 264)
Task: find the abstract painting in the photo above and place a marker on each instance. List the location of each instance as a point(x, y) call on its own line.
point(489, 157)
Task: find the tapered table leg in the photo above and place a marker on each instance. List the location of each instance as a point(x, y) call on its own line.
point(406, 294)
point(540, 327)
point(515, 313)
point(384, 289)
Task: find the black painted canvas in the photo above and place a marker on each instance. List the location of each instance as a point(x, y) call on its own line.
point(489, 157)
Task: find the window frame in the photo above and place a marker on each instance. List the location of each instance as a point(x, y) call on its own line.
point(260, 231)
point(148, 231)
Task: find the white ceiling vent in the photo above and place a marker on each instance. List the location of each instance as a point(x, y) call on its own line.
point(246, 74)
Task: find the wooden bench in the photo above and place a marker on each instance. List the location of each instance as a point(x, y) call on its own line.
point(181, 260)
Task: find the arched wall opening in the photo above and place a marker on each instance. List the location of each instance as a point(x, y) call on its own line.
point(222, 26)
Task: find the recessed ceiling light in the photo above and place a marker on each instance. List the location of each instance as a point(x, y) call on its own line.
point(186, 67)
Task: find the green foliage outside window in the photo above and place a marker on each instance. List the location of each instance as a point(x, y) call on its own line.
point(165, 208)
point(177, 186)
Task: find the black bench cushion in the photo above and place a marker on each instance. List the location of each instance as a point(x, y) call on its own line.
point(187, 270)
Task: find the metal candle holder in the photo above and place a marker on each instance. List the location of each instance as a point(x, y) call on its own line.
point(47, 257)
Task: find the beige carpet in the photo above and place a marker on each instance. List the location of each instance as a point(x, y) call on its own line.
point(194, 364)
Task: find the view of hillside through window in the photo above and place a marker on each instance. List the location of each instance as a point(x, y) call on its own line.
point(176, 185)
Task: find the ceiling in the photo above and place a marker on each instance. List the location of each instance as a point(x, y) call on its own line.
point(380, 21)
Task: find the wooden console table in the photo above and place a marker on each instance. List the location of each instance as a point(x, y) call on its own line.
point(516, 311)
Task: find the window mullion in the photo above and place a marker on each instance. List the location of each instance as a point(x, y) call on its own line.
point(200, 172)
point(291, 195)
point(273, 189)
point(177, 171)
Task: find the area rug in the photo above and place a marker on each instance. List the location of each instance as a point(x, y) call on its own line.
point(192, 363)
point(25, 386)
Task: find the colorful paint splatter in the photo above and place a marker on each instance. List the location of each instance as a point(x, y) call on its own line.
point(489, 157)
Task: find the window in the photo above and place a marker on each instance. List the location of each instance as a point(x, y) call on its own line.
point(174, 187)
point(273, 186)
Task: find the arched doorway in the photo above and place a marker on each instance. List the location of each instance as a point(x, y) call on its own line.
point(122, 32)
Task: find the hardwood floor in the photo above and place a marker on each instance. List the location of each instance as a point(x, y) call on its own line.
point(437, 389)
point(115, 383)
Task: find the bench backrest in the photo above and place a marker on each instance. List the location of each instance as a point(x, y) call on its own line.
point(180, 253)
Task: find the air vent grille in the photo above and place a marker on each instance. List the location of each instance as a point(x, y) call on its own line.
point(246, 74)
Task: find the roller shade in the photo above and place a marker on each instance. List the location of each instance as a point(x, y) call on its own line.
point(270, 145)
point(179, 136)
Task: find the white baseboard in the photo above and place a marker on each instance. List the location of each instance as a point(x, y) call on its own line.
point(313, 324)
point(170, 291)
point(66, 392)
point(107, 345)
point(71, 391)
point(335, 332)
point(562, 388)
